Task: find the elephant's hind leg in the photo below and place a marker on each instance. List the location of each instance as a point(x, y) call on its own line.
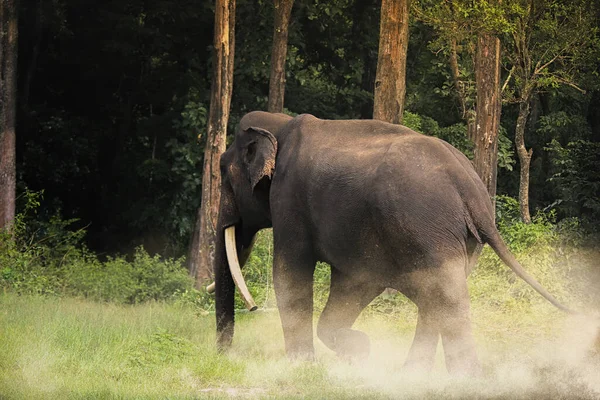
point(422, 352)
point(443, 300)
point(347, 298)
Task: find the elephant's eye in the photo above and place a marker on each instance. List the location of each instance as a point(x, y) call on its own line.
point(251, 151)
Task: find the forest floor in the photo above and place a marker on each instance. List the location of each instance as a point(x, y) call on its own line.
point(62, 348)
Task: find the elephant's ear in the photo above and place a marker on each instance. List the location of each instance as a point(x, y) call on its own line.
point(260, 154)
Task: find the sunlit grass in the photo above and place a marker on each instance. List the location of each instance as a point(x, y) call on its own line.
point(53, 348)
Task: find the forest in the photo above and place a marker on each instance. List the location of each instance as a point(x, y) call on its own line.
point(112, 112)
point(113, 102)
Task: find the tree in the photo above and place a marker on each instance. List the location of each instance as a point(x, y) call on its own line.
point(473, 27)
point(201, 257)
point(489, 104)
point(390, 85)
point(283, 11)
point(549, 43)
point(8, 106)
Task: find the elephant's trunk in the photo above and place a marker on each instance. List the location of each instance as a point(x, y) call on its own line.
point(227, 276)
point(235, 267)
point(224, 295)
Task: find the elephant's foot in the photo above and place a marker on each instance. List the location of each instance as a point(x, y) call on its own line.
point(301, 357)
point(463, 363)
point(351, 345)
point(418, 365)
point(225, 338)
point(422, 352)
point(300, 349)
point(301, 353)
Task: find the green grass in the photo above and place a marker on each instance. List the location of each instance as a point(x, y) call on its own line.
point(64, 348)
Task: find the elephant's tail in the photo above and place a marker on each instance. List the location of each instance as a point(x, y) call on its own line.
point(496, 243)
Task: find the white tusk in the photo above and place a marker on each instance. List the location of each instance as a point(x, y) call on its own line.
point(211, 288)
point(236, 270)
point(245, 254)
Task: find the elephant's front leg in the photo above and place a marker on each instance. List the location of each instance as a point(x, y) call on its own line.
point(293, 271)
point(347, 298)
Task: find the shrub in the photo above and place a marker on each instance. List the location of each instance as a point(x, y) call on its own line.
point(534, 245)
point(144, 278)
point(49, 258)
point(577, 178)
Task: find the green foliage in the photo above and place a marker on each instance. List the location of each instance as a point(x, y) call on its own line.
point(456, 135)
point(464, 19)
point(518, 235)
point(549, 43)
point(185, 153)
point(144, 278)
point(412, 121)
point(506, 154)
point(49, 258)
point(577, 177)
point(537, 246)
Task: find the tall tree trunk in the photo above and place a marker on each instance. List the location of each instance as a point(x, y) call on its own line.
point(524, 158)
point(390, 84)
point(201, 257)
point(390, 77)
point(283, 11)
point(487, 118)
point(8, 106)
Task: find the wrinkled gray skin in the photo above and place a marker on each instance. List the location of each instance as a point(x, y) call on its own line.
point(383, 205)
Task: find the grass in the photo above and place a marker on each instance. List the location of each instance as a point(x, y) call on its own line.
point(65, 348)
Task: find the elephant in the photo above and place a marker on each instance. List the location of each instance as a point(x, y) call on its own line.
point(383, 205)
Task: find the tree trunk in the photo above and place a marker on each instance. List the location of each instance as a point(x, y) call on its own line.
point(524, 158)
point(8, 106)
point(201, 258)
point(487, 117)
point(390, 85)
point(283, 11)
point(390, 78)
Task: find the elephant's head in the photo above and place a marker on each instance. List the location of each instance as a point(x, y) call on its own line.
point(246, 171)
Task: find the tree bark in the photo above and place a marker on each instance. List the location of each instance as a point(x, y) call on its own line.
point(8, 106)
point(283, 11)
point(201, 258)
point(487, 117)
point(390, 84)
point(524, 158)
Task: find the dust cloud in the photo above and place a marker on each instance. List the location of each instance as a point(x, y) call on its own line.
point(565, 366)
